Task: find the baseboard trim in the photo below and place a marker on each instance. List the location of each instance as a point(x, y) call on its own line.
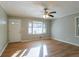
point(3, 49)
point(35, 39)
point(67, 42)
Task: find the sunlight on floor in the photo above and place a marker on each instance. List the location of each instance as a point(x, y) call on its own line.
point(44, 51)
point(16, 53)
point(34, 52)
point(23, 53)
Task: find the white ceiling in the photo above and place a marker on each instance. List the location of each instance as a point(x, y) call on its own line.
point(35, 8)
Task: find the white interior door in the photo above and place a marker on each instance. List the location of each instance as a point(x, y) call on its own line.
point(14, 30)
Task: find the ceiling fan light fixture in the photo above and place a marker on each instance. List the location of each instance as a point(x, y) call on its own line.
point(47, 13)
point(45, 16)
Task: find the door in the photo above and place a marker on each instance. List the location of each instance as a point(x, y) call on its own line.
point(14, 30)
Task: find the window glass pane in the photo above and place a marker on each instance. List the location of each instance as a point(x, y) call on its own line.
point(30, 24)
point(30, 28)
point(34, 30)
point(44, 28)
point(40, 30)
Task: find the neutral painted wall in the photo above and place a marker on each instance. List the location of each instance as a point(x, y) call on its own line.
point(3, 29)
point(24, 29)
point(63, 29)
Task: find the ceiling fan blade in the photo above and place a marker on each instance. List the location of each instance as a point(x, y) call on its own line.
point(53, 12)
point(51, 15)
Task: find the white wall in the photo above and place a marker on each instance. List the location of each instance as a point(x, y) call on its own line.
point(63, 29)
point(3, 29)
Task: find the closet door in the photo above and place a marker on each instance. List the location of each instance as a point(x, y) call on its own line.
point(14, 30)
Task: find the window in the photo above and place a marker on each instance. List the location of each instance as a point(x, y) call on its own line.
point(36, 27)
point(77, 26)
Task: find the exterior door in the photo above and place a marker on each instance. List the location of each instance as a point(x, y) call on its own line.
point(14, 30)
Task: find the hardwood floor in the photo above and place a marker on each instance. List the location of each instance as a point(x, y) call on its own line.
point(41, 48)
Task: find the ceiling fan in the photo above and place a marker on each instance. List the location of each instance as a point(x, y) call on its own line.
point(47, 13)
